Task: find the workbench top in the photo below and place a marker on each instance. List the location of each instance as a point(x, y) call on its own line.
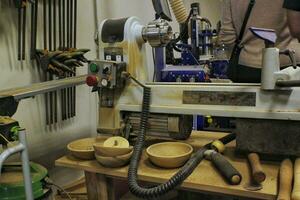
point(205, 177)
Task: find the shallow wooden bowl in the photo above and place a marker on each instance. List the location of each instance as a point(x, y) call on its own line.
point(116, 141)
point(83, 148)
point(169, 154)
point(111, 151)
point(115, 161)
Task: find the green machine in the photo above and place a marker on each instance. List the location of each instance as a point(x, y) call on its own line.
point(12, 182)
point(25, 180)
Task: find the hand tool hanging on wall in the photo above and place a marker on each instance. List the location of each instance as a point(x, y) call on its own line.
point(55, 48)
point(34, 18)
point(69, 93)
point(21, 6)
point(59, 56)
point(49, 76)
point(45, 49)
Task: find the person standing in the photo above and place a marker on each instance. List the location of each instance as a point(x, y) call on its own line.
point(246, 58)
point(293, 14)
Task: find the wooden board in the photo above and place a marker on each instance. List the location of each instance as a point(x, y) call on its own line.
point(204, 179)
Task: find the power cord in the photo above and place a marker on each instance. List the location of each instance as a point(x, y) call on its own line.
point(51, 183)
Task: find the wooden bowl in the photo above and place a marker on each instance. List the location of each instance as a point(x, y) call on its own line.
point(111, 151)
point(169, 154)
point(115, 161)
point(83, 148)
point(116, 141)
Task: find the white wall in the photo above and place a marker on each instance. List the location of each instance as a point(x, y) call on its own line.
point(46, 145)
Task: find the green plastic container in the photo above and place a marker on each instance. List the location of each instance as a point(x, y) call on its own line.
point(12, 185)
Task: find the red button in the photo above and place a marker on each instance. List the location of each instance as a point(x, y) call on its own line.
point(92, 80)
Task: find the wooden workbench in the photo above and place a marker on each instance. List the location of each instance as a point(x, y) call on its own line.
point(204, 179)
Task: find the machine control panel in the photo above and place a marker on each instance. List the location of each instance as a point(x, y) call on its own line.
point(106, 74)
point(107, 78)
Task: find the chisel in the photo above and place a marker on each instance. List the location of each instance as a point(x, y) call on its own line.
point(23, 32)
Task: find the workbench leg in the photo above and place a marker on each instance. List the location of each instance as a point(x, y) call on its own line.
point(97, 186)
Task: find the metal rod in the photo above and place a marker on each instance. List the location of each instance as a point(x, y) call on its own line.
point(24, 33)
point(75, 23)
point(65, 6)
point(74, 98)
point(19, 32)
point(45, 48)
point(45, 23)
point(51, 101)
point(47, 102)
point(26, 165)
point(36, 7)
point(69, 102)
point(64, 23)
point(66, 103)
point(72, 12)
point(292, 83)
point(55, 107)
point(61, 46)
point(32, 30)
point(54, 25)
point(68, 99)
point(68, 24)
point(62, 93)
point(51, 94)
point(60, 23)
point(71, 23)
point(50, 25)
point(55, 48)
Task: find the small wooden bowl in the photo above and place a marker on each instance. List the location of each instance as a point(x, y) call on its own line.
point(116, 161)
point(111, 151)
point(116, 141)
point(169, 154)
point(83, 148)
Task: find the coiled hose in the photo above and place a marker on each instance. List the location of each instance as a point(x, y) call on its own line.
point(179, 177)
point(179, 10)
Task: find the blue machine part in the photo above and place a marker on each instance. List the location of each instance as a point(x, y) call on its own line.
point(183, 74)
point(198, 122)
point(219, 69)
point(159, 56)
point(187, 58)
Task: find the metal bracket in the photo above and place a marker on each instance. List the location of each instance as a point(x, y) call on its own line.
point(9, 99)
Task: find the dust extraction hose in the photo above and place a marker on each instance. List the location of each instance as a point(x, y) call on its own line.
point(179, 10)
point(179, 177)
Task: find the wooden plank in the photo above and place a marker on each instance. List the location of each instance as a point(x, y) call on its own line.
point(111, 190)
point(96, 186)
point(204, 179)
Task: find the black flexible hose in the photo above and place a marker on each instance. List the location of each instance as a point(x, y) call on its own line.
point(179, 177)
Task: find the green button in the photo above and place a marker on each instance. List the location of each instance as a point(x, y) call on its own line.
point(94, 68)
